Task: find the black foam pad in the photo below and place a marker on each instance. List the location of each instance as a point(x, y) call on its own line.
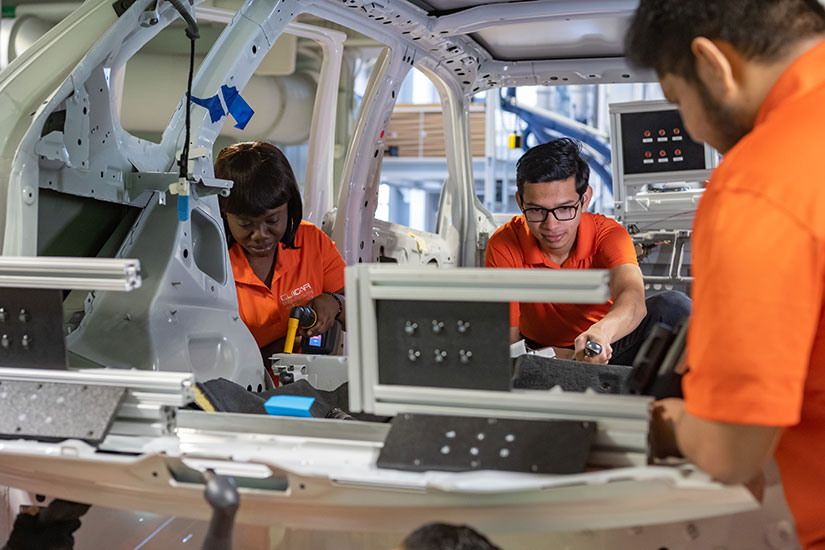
point(534, 372)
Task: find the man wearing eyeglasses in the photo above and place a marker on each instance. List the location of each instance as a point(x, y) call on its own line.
point(555, 232)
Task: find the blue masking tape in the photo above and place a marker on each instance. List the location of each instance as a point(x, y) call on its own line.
point(213, 104)
point(183, 207)
point(238, 108)
point(289, 405)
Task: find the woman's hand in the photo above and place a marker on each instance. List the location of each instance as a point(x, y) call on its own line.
point(326, 308)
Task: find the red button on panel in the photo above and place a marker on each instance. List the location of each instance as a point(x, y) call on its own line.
point(677, 131)
point(647, 133)
point(661, 132)
point(662, 153)
point(677, 152)
point(648, 154)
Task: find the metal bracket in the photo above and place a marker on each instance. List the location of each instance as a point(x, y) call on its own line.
point(213, 186)
point(136, 183)
point(52, 147)
point(150, 17)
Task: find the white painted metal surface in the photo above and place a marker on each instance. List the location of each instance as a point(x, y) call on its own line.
point(321, 475)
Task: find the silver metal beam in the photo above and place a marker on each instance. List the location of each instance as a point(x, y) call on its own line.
point(133, 379)
point(69, 273)
point(480, 284)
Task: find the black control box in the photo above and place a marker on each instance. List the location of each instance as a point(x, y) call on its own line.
point(656, 141)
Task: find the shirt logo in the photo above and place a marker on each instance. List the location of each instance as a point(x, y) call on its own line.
point(297, 294)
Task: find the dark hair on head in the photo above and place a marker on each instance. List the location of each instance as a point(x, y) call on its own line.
point(555, 160)
point(263, 180)
point(443, 536)
point(662, 31)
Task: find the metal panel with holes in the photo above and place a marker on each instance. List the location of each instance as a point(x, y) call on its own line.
point(31, 328)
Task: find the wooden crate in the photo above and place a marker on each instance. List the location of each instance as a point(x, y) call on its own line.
point(418, 131)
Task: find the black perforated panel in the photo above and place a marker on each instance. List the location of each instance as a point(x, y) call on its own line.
point(31, 328)
point(420, 442)
point(444, 344)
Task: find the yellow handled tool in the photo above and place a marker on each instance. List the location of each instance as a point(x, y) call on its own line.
point(302, 316)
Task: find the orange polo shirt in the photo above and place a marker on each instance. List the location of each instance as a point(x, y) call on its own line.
point(601, 243)
point(756, 346)
point(300, 275)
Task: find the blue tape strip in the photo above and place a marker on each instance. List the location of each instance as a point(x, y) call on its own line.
point(183, 207)
point(238, 108)
point(213, 105)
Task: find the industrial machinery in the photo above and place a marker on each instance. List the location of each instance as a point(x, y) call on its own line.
point(659, 172)
point(327, 474)
point(659, 176)
point(73, 182)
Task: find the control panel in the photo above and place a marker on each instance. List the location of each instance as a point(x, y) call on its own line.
point(657, 142)
point(659, 172)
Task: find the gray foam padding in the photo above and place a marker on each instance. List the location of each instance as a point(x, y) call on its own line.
point(54, 411)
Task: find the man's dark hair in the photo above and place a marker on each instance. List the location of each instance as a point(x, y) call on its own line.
point(263, 180)
point(555, 160)
point(661, 33)
point(443, 536)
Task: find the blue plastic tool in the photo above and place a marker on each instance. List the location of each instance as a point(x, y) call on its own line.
point(289, 405)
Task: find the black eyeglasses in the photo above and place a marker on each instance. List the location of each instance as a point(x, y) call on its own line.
point(562, 213)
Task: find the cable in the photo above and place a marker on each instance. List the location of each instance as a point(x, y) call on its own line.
point(192, 29)
point(184, 154)
point(193, 33)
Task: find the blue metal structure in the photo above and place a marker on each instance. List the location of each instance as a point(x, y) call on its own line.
point(547, 126)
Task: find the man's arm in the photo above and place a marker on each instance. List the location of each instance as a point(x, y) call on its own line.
point(628, 292)
point(730, 453)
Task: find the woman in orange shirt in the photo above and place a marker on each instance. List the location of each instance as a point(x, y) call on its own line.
point(278, 260)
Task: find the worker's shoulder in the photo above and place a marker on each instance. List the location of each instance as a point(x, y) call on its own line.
point(793, 130)
point(779, 165)
point(605, 223)
point(607, 227)
point(310, 236)
point(507, 233)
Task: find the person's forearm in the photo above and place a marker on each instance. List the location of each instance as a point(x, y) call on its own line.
point(730, 453)
point(624, 316)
